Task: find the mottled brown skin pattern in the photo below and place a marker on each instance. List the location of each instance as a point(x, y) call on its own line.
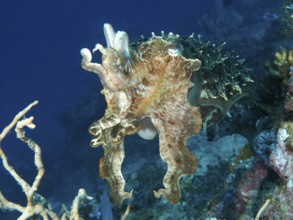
point(167, 79)
point(156, 87)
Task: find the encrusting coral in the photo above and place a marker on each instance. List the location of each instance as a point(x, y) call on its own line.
point(168, 85)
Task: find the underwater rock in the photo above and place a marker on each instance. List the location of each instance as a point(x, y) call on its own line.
point(227, 149)
point(248, 190)
point(264, 144)
point(281, 160)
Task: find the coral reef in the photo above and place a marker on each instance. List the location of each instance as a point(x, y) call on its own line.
point(288, 105)
point(264, 144)
point(279, 67)
point(146, 178)
point(168, 85)
point(287, 18)
point(275, 147)
point(248, 191)
point(281, 161)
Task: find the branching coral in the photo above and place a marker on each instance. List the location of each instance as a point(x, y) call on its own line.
point(156, 86)
point(280, 66)
point(36, 204)
point(31, 209)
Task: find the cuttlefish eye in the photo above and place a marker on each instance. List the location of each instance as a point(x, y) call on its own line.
point(174, 50)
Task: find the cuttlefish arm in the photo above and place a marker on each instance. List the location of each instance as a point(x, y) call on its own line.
point(110, 169)
point(117, 61)
point(175, 125)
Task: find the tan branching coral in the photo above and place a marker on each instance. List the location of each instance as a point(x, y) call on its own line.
point(154, 86)
point(31, 208)
point(35, 207)
point(280, 66)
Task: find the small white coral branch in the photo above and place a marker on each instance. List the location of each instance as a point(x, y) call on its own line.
point(261, 210)
point(74, 215)
point(16, 119)
point(126, 213)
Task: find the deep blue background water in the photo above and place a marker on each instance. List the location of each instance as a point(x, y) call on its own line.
point(40, 44)
point(40, 59)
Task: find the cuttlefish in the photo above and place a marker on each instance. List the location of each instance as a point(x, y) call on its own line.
point(166, 85)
